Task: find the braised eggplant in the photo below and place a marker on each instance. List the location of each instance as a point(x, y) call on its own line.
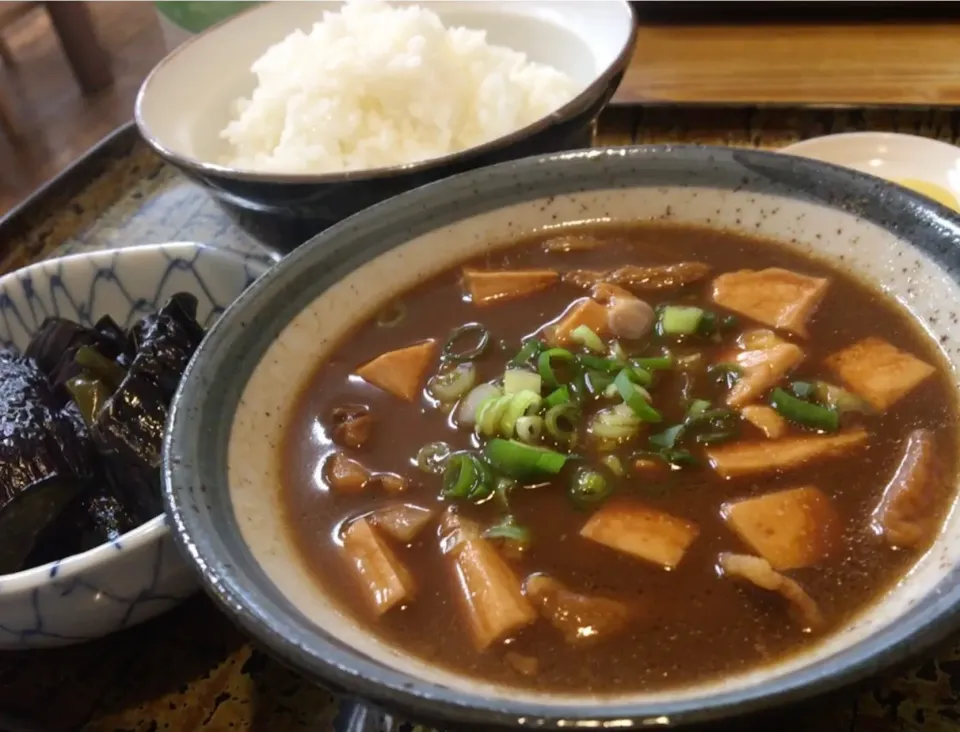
point(82, 430)
point(44, 462)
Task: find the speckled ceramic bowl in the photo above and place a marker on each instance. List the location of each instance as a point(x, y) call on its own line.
point(140, 574)
point(222, 470)
point(186, 101)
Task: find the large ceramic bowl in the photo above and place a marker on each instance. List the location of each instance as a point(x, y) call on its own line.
point(186, 100)
point(140, 574)
point(222, 470)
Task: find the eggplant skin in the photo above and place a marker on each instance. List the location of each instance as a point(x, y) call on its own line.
point(55, 344)
point(44, 462)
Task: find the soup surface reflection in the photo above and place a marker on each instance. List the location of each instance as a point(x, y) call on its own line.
point(621, 459)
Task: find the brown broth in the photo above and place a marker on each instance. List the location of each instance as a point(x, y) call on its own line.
point(676, 638)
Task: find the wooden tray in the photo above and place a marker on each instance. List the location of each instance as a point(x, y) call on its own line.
point(192, 670)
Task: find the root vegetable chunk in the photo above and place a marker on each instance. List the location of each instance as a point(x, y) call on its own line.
point(403, 521)
point(758, 572)
point(770, 456)
point(490, 593)
point(776, 297)
point(790, 529)
point(766, 420)
point(762, 370)
point(879, 372)
point(581, 619)
point(385, 581)
point(642, 532)
point(488, 287)
point(400, 372)
point(909, 512)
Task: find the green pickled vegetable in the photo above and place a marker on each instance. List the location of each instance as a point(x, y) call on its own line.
point(100, 367)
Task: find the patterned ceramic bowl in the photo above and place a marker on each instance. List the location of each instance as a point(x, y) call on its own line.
point(230, 411)
point(139, 575)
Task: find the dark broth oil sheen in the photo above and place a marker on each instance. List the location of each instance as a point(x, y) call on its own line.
point(692, 624)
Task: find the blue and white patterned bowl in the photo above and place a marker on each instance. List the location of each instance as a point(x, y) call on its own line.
point(139, 575)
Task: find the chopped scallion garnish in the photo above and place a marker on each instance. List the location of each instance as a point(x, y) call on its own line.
point(585, 337)
point(470, 333)
point(523, 462)
point(804, 413)
point(545, 365)
point(634, 397)
point(680, 320)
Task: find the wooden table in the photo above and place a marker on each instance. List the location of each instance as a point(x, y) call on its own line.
point(192, 670)
point(805, 63)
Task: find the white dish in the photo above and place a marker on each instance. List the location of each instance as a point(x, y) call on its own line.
point(887, 155)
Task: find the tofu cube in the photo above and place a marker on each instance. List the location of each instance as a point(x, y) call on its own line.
point(790, 529)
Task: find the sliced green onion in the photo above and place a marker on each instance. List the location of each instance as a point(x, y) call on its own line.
point(502, 490)
point(469, 332)
point(589, 487)
point(725, 374)
point(527, 351)
point(545, 365)
point(521, 403)
point(449, 384)
point(484, 484)
point(804, 413)
point(431, 457)
point(657, 363)
point(498, 415)
point(839, 399)
point(585, 337)
point(516, 380)
point(469, 408)
point(680, 320)
point(598, 381)
point(601, 364)
point(613, 464)
point(709, 324)
point(668, 438)
point(698, 407)
point(560, 395)
point(523, 462)
point(634, 398)
point(802, 389)
point(675, 457)
point(529, 429)
point(616, 350)
point(640, 376)
point(509, 529)
point(459, 475)
point(616, 424)
point(553, 422)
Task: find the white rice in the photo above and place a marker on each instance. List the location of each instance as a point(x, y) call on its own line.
point(375, 86)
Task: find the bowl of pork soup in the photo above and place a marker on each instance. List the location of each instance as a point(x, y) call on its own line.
point(506, 450)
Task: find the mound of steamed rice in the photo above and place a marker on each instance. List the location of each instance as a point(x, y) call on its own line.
point(375, 86)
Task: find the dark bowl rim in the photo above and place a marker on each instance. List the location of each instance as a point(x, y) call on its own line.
point(198, 167)
point(913, 631)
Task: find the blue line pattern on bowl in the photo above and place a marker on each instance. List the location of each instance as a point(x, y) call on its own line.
point(140, 574)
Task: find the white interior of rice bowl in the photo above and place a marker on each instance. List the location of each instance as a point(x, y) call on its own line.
point(189, 98)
